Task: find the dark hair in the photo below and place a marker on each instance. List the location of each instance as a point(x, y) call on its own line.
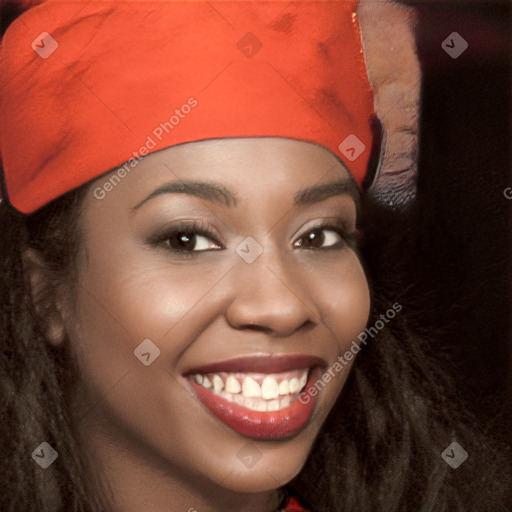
point(380, 448)
point(34, 375)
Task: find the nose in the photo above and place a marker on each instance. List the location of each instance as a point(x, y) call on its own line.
point(269, 298)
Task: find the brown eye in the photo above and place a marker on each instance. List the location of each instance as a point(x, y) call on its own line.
point(189, 241)
point(321, 238)
point(186, 239)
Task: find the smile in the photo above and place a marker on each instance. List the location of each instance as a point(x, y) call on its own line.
point(256, 403)
point(256, 391)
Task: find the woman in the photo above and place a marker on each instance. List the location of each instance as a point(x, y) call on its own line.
point(187, 321)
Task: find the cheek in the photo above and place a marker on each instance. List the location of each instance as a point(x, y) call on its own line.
point(126, 297)
point(122, 302)
point(119, 305)
point(343, 296)
point(139, 297)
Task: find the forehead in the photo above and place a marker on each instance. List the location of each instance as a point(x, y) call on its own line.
point(250, 167)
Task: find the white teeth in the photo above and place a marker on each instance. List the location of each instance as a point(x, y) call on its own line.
point(273, 405)
point(262, 406)
point(218, 383)
point(294, 385)
point(284, 388)
point(269, 388)
point(232, 385)
point(303, 379)
point(285, 402)
point(228, 396)
point(246, 390)
point(250, 388)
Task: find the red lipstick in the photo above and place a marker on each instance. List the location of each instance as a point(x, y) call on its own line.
point(295, 406)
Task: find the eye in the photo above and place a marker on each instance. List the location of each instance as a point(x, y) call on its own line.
point(187, 239)
point(323, 237)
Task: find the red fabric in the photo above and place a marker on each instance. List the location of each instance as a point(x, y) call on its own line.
point(293, 505)
point(130, 78)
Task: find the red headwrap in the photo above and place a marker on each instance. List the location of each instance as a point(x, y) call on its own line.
point(87, 86)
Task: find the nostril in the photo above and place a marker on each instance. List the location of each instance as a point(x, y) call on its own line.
point(258, 328)
point(307, 325)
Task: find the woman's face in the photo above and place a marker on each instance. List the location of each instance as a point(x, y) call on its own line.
point(200, 312)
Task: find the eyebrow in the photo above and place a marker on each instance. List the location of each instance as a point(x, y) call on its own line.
point(214, 192)
point(318, 193)
point(218, 193)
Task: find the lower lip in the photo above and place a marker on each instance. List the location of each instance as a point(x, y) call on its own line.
point(259, 425)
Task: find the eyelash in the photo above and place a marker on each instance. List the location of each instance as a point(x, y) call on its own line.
point(201, 228)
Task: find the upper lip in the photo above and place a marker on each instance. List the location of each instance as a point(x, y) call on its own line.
point(260, 364)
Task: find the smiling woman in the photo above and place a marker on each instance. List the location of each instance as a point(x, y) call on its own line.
point(205, 333)
point(183, 286)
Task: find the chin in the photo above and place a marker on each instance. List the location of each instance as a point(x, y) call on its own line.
point(264, 478)
point(259, 466)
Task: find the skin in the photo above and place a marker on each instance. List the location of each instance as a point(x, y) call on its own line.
point(149, 439)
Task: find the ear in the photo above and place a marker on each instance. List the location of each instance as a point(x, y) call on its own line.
point(47, 297)
point(393, 68)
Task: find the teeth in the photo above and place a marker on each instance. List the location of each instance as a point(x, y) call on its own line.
point(238, 399)
point(273, 405)
point(303, 379)
point(294, 385)
point(218, 383)
point(246, 390)
point(232, 385)
point(284, 402)
point(228, 396)
point(269, 388)
point(284, 388)
point(251, 388)
point(262, 406)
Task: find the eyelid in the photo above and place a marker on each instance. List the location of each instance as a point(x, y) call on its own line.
point(199, 227)
point(342, 225)
point(348, 232)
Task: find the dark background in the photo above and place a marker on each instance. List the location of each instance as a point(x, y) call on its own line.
point(463, 245)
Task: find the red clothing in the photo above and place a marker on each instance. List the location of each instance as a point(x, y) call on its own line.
point(298, 72)
point(293, 505)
